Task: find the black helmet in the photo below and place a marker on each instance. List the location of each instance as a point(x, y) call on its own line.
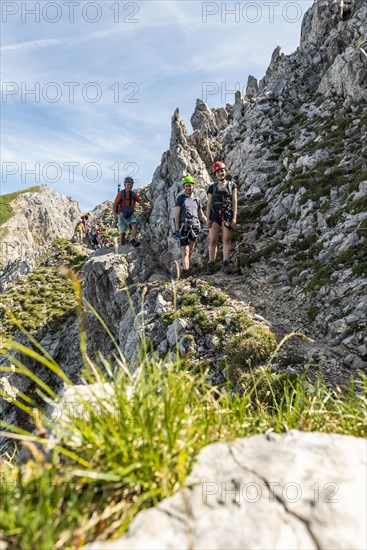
point(128, 179)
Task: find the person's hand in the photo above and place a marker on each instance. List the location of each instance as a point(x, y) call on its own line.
point(178, 234)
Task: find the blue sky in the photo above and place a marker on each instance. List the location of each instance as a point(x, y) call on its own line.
point(89, 87)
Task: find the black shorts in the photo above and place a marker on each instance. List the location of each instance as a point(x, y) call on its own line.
point(188, 235)
point(220, 217)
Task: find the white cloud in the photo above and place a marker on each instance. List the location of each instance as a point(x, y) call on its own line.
point(32, 45)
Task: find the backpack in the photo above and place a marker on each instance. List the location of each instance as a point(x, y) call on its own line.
point(128, 210)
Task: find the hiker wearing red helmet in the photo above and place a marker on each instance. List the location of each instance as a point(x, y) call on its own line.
point(188, 215)
point(221, 212)
point(123, 211)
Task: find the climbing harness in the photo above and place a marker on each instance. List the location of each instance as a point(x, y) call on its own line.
point(189, 230)
point(221, 209)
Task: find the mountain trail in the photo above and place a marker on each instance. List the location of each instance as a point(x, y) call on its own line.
point(279, 305)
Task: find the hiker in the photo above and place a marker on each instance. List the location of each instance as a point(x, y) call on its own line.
point(106, 242)
point(123, 211)
point(85, 219)
point(91, 233)
point(188, 212)
point(96, 239)
point(221, 212)
point(79, 230)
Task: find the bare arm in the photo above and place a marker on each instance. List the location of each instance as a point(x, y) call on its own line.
point(115, 205)
point(234, 205)
point(208, 209)
point(202, 216)
point(177, 218)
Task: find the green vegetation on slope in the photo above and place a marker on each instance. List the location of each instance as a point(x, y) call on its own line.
point(44, 297)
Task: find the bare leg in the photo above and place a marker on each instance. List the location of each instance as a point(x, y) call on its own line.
point(213, 243)
point(133, 231)
point(186, 252)
point(227, 241)
point(185, 256)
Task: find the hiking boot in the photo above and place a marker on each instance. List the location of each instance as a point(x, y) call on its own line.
point(211, 268)
point(134, 242)
point(225, 266)
point(185, 273)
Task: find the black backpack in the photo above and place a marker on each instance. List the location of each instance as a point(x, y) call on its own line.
point(222, 201)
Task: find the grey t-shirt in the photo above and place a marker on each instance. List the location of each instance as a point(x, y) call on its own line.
point(189, 207)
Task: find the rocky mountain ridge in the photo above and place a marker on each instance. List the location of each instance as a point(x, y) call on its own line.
point(37, 217)
point(298, 156)
point(295, 145)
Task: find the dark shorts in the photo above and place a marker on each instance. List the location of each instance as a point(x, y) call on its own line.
point(188, 235)
point(220, 217)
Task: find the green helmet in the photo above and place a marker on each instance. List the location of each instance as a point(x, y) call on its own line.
point(188, 179)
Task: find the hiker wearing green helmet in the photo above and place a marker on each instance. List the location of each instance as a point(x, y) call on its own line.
point(188, 215)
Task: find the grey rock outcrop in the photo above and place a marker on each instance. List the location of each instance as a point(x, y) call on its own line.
point(292, 491)
point(38, 218)
point(252, 88)
point(295, 145)
point(63, 346)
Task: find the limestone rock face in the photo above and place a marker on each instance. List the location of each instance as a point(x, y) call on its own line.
point(38, 218)
point(181, 159)
point(252, 88)
point(295, 146)
point(347, 75)
point(298, 490)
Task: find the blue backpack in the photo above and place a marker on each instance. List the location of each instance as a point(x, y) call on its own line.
point(128, 210)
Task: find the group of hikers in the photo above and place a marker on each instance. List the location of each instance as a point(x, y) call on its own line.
point(90, 235)
point(221, 214)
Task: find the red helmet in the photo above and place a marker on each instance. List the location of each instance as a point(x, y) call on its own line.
point(217, 165)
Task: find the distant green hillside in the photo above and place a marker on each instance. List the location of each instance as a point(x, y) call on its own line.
point(5, 200)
